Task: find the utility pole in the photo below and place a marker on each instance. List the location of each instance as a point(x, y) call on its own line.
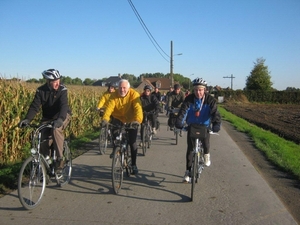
point(171, 66)
point(231, 80)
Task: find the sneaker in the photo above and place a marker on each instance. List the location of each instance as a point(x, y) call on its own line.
point(141, 144)
point(207, 159)
point(186, 177)
point(135, 170)
point(154, 130)
point(59, 165)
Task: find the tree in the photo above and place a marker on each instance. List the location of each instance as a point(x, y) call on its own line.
point(88, 81)
point(259, 78)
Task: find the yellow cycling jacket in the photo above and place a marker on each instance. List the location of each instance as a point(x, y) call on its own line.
point(104, 100)
point(126, 109)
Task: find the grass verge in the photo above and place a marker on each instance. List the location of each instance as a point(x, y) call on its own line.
point(284, 154)
point(9, 173)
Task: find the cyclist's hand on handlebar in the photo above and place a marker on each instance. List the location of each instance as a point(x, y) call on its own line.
point(104, 123)
point(135, 124)
point(24, 123)
point(58, 123)
point(216, 127)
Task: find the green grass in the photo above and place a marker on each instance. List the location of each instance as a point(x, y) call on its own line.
point(284, 154)
point(9, 173)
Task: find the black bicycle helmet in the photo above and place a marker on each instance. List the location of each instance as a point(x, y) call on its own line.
point(51, 74)
point(110, 84)
point(199, 81)
point(148, 87)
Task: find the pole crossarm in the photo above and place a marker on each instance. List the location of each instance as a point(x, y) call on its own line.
point(231, 77)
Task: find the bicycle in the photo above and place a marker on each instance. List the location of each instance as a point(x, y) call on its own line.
point(146, 132)
point(37, 169)
point(176, 131)
point(121, 156)
point(197, 132)
point(105, 136)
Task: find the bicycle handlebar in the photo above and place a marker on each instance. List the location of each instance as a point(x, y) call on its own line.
point(185, 129)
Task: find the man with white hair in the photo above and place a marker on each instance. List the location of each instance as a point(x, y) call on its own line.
point(125, 106)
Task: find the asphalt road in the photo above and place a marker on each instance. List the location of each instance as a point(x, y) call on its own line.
point(230, 191)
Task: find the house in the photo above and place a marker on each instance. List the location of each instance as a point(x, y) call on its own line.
point(163, 84)
point(112, 79)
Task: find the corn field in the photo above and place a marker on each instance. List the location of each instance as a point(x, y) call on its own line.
point(15, 100)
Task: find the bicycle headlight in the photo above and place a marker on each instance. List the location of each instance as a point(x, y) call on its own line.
point(33, 151)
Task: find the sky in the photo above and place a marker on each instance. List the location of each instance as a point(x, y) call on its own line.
point(102, 38)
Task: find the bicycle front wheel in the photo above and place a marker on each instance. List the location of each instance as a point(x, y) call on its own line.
point(65, 176)
point(117, 169)
point(149, 135)
point(176, 135)
point(144, 137)
point(103, 140)
point(194, 175)
point(31, 182)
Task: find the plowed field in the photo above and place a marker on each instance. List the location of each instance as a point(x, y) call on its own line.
point(283, 120)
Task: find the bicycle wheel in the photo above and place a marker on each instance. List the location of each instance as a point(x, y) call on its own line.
point(149, 135)
point(117, 169)
point(109, 138)
point(65, 176)
point(194, 175)
point(31, 182)
point(103, 141)
point(144, 137)
point(176, 135)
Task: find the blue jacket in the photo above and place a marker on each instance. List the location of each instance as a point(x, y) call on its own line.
point(209, 113)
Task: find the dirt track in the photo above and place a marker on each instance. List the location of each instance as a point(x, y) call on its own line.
point(283, 120)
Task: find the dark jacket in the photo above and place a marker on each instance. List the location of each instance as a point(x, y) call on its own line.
point(157, 95)
point(54, 103)
point(150, 103)
point(209, 113)
point(175, 100)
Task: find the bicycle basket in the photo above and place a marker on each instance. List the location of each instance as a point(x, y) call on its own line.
point(198, 131)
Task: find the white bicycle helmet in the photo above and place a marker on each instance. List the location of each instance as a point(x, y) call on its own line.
point(51, 74)
point(199, 81)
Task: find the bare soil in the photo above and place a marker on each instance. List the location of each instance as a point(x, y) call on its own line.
point(283, 120)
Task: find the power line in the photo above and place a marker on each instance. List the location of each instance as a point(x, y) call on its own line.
point(150, 36)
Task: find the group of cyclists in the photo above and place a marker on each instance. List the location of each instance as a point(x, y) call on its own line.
point(122, 105)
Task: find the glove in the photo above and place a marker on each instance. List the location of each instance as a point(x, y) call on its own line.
point(135, 124)
point(58, 123)
point(24, 122)
point(216, 127)
point(104, 123)
point(178, 124)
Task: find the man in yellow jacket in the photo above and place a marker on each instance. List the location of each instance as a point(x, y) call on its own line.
point(125, 106)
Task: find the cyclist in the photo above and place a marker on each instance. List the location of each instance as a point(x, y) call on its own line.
point(175, 99)
point(167, 99)
point(53, 97)
point(198, 108)
point(150, 104)
point(125, 106)
point(105, 97)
